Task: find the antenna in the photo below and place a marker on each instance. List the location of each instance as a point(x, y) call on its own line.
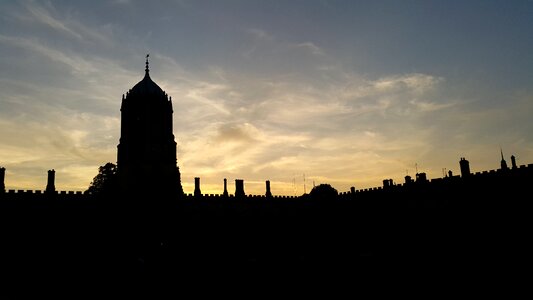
point(294, 185)
point(305, 189)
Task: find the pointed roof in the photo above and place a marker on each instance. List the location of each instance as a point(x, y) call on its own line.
point(146, 85)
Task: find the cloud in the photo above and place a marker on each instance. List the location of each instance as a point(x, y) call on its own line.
point(289, 108)
point(311, 47)
point(77, 63)
point(43, 16)
point(260, 34)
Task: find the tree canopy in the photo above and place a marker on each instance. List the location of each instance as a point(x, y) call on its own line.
point(323, 191)
point(106, 182)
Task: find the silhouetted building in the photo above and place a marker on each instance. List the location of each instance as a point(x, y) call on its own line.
point(197, 191)
point(421, 177)
point(513, 162)
point(268, 193)
point(239, 188)
point(503, 163)
point(465, 167)
point(146, 159)
point(50, 185)
point(387, 183)
point(408, 179)
point(225, 194)
point(2, 177)
point(450, 173)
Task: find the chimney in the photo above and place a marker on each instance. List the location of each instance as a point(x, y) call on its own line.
point(225, 188)
point(239, 188)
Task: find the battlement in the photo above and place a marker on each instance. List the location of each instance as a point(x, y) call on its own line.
point(43, 195)
point(191, 196)
point(492, 177)
point(499, 176)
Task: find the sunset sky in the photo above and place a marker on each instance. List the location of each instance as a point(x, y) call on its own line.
point(346, 92)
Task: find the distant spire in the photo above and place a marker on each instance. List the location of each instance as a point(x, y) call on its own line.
point(503, 162)
point(147, 69)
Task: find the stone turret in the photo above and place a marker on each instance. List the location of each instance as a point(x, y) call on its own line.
point(268, 193)
point(197, 191)
point(513, 162)
point(465, 167)
point(50, 185)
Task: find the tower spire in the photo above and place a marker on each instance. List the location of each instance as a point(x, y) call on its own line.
point(503, 163)
point(147, 69)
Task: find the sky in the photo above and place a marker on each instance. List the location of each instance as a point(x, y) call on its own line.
point(341, 92)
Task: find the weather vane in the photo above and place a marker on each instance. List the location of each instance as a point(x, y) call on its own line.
point(147, 55)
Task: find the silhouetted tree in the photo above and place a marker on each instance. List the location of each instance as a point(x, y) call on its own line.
point(106, 182)
point(323, 191)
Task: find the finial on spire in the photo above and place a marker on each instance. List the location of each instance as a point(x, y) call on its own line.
point(147, 69)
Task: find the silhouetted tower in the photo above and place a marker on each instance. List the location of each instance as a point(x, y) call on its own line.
point(2, 177)
point(268, 194)
point(146, 159)
point(408, 179)
point(50, 185)
point(352, 189)
point(450, 173)
point(225, 194)
point(465, 167)
point(197, 191)
point(503, 163)
point(513, 162)
point(239, 188)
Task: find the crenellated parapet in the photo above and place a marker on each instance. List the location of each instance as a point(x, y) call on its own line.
point(518, 175)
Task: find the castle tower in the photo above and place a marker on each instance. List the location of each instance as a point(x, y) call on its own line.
point(465, 167)
point(50, 185)
point(146, 160)
point(503, 163)
point(2, 177)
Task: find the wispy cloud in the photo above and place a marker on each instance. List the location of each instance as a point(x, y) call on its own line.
point(43, 16)
point(314, 49)
point(77, 63)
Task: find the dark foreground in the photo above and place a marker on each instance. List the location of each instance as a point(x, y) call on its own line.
point(49, 246)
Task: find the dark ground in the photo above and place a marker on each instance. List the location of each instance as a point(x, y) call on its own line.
point(49, 246)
